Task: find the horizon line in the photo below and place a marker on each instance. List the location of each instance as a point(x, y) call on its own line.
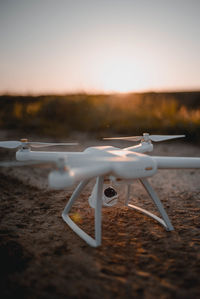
point(82, 92)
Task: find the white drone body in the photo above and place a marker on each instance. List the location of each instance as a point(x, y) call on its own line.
point(97, 162)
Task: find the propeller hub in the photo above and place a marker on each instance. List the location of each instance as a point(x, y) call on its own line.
point(146, 137)
point(24, 144)
point(24, 140)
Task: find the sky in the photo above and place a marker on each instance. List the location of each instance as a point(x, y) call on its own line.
point(99, 46)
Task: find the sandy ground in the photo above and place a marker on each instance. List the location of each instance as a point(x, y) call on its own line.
point(42, 258)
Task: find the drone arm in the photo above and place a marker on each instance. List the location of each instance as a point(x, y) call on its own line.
point(63, 179)
point(143, 147)
point(176, 162)
point(26, 155)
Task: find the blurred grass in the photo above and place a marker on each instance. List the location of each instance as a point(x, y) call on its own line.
point(103, 115)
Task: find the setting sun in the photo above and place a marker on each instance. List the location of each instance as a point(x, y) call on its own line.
point(112, 68)
point(122, 76)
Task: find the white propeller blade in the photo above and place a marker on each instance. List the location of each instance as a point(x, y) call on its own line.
point(146, 137)
point(46, 144)
point(130, 138)
point(157, 138)
point(10, 144)
point(16, 144)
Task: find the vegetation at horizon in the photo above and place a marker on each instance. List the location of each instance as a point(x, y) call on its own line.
point(103, 115)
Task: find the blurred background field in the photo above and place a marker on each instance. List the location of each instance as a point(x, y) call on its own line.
point(59, 116)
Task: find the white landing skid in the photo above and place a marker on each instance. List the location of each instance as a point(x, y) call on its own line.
point(98, 205)
point(165, 219)
point(95, 242)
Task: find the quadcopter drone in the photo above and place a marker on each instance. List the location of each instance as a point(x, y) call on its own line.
point(97, 162)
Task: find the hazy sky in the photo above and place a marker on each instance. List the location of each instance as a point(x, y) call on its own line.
point(99, 45)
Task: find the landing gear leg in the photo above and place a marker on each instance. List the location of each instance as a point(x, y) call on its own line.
point(165, 221)
point(98, 204)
